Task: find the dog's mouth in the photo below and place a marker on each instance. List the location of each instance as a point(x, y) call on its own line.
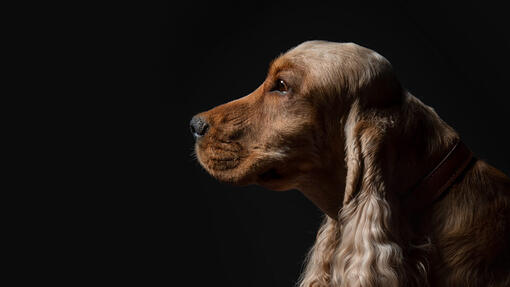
point(275, 179)
point(233, 165)
point(269, 175)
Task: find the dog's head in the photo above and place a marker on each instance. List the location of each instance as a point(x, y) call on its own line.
point(291, 127)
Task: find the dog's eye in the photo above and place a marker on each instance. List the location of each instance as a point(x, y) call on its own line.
point(281, 86)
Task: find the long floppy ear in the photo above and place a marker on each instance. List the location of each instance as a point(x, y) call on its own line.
point(317, 272)
point(352, 154)
point(332, 257)
point(370, 252)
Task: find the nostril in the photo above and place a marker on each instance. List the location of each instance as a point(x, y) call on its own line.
point(198, 126)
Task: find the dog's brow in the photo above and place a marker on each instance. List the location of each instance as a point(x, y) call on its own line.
point(279, 64)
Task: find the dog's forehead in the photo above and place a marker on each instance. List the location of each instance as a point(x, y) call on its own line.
point(331, 52)
point(304, 53)
point(321, 55)
point(322, 51)
point(312, 57)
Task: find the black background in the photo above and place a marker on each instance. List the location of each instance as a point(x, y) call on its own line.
point(454, 57)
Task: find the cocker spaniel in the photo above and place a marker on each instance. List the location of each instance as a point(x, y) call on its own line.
point(406, 202)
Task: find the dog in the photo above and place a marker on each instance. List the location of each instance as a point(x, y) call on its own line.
point(405, 201)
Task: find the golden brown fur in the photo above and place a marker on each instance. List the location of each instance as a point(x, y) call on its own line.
point(352, 140)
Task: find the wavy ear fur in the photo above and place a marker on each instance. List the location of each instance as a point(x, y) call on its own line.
point(371, 244)
point(366, 246)
point(317, 272)
point(369, 253)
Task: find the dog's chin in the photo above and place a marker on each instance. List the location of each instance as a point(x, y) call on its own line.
point(239, 171)
point(271, 179)
point(229, 172)
point(233, 178)
point(240, 175)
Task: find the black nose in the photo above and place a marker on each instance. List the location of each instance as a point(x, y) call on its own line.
point(198, 126)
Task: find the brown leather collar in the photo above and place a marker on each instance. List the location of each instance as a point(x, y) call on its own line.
point(431, 187)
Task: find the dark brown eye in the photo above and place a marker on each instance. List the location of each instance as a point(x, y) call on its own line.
point(281, 86)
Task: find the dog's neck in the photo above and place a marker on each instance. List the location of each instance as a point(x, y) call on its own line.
point(324, 190)
point(423, 144)
point(325, 186)
point(435, 184)
point(413, 159)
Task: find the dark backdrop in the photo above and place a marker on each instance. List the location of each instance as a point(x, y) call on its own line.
point(454, 58)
